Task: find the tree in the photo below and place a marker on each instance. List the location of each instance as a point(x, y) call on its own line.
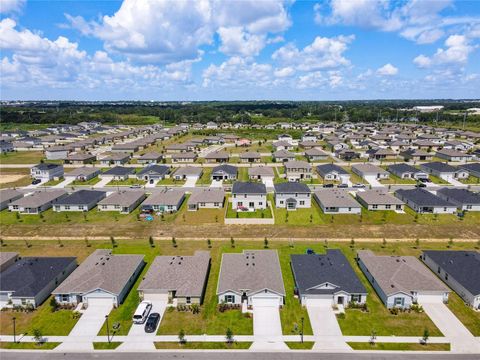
point(384, 243)
point(209, 243)
point(151, 242)
point(352, 243)
point(53, 304)
point(112, 240)
point(37, 336)
point(232, 242)
point(450, 242)
point(265, 243)
point(426, 335)
point(417, 242)
point(181, 337)
point(174, 242)
point(311, 218)
point(229, 336)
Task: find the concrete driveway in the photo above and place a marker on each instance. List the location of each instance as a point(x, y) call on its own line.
point(267, 328)
point(191, 181)
point(151, 185)
point(461, 339)
point(87, 328)
point(64, 183)
point(102, 182)
point(268, 183)
point(216, 183)
point(372, 180)
point(327, 332)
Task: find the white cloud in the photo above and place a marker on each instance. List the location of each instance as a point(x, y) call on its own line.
point(322, 53)
point(416, 20)
point(456, 52)
point(387, 70)
point(157, 31)
point(11, 6)
point(284, 72)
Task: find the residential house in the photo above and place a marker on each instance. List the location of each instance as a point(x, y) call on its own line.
point(7, 196)
point(249, 196)
point(243, 142)
point(282, 145)
point(297, 170)
point(261, 173)
point(30, 280)
point(416, 155)
point(82, 173)
point(401, 281)
point(292, 195)
point(326, 279)
point(181, 280)
point(6, 146)
point(46, 171)
point(453, 155)
point(184, 157)
point(460, 270)
point(423, 201)
point(336, 201)
point(206, 198)
point(465, 200)
point(149, 158)
point(332, 172)
point(186, 172)
point(283, 156)
point(381, 154)
point(122, 201)
point(224, 172)
point(101, 276)
point(81, 200)
point(250, 157)
point(347, 154)
point(117, 173)
point(253, 278)
point(115, 159)
point(169, 200)
point(217, 157)
point(366, 171)
point(37, 202)
point(472, 168)
point(57, 152)
point(405, 171)
point(379, 199)
point(315, 154)
point(308, 144)
point(152, 173)
point(444, 171)
point(80, 158)
point(309, 136)
point(129, 148)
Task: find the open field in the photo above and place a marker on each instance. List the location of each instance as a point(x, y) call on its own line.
point(10, 178)
point(21, 157)
point(210, 320)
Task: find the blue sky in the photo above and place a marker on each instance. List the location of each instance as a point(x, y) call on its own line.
point(239, 50)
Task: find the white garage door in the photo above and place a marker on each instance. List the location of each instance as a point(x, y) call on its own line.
point(4, 297)
point(324, 302)
point(422, 299)
point(265, 301)
point(156, 297)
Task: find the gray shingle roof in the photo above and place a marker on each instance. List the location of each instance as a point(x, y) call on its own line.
point(119, 171)
point(9, 194)
point(439, 166)
point(82, 171)
point(336, 198)
point(379, 197)
point(459, 196)
point(250, 155)
point(39, 198)
point(5, 257)
point(248, 188)
point(260, 171)
point(184, 274)
point(328, 168)
point(400, 273)
point(82, 197)
point(207, 195)
point(251, 271)
point(403, 168)
point(189, 171)
point(369, 169)
point(292, 187)
point(155, 169)
point(422, 197)
point(29, 275)
point(47, 166)
point(227, 169)
point(101, 270)
point(123, 198)
point(333, 267)
point(463, 266)
point(166, 197)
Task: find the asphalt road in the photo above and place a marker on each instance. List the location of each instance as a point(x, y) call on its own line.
point(232, 355)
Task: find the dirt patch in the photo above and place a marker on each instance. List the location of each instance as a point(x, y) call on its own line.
point(9, 178)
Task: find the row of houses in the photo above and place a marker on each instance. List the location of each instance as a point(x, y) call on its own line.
point(250, 278)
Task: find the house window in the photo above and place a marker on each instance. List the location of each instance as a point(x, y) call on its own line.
point(469, 207)
point(67, 207)
point(252, 204)
point(302, 202)
point(188, 300)
point(229, 299)
point(387, 206)
point(438, 270)
point(281, 202)
point(445, 209)
point(446, 276)
point(260, 203)
point(399, 301)
point(375, 206)
point(356, 298)
point(64, 298)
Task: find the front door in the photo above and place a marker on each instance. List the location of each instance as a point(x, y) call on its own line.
point(340, 300)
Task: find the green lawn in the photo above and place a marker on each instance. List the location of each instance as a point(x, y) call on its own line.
point(437, 180)
point(205, 178)
point(232, 214)
point(471, 180)
point(128, 182)
point(28, 345)
point(171, 181)
point(399, 346)
point(89, 182)
point(203, 345)
point(54, 182)
point(21, 157)
point(106, 345)
point(306, 345)
point(469, 317)
point(60, 322)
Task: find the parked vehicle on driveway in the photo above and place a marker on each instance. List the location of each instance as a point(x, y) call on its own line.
point(141, 314)
point(328, 185)
point(152, 322)
point(359, 186)
point(342, 186)
point(36, 181)
point(136, 186)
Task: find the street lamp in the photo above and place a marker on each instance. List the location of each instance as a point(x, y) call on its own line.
point(108, 329)
point(14, 335)
point(301, 334)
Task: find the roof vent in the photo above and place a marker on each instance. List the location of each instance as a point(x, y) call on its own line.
point(253, 264)
point(103, 263)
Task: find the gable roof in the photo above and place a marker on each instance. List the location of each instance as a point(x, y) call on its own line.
point(335, 198)
point(292, 187)
point(227, 169)
point(165, 197)
point(316, 269)
point(251, 271)
point(217, 155)
point(119, 170)
point(369, 169)
point(39, 198)
point(250, 155)
point(123, 198)
point(461, 196)
point(29, 275)
point(240, 187)
point(154, 169)
point(325, 169)
point(47, 166)
point(150, 156)
point(422, 197)
point(188, 170)
point(403, 168)
point(101, 270)
point(463, 266)
point(9, 194)
point(82, 197)
point(439, 166)
point(184, 274)
point(207, 195)
point(379, 197)
point(260, 171)
point(82, 171)
point(400, 273)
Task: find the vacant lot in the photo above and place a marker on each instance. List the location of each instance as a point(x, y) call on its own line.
point(210, 320)
point(21, 157)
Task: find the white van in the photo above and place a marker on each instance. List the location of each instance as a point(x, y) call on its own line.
point(141, 314)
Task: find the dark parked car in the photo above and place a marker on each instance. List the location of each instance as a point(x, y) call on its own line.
point(342, 186)
point(36, 181)
point(152, 322)
point(327, 185)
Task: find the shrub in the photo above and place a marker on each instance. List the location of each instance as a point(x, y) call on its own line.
point(53, 304)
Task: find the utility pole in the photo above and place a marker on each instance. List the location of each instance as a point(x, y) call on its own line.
point(14, 334)
point(108, 329)
point(301, 334)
